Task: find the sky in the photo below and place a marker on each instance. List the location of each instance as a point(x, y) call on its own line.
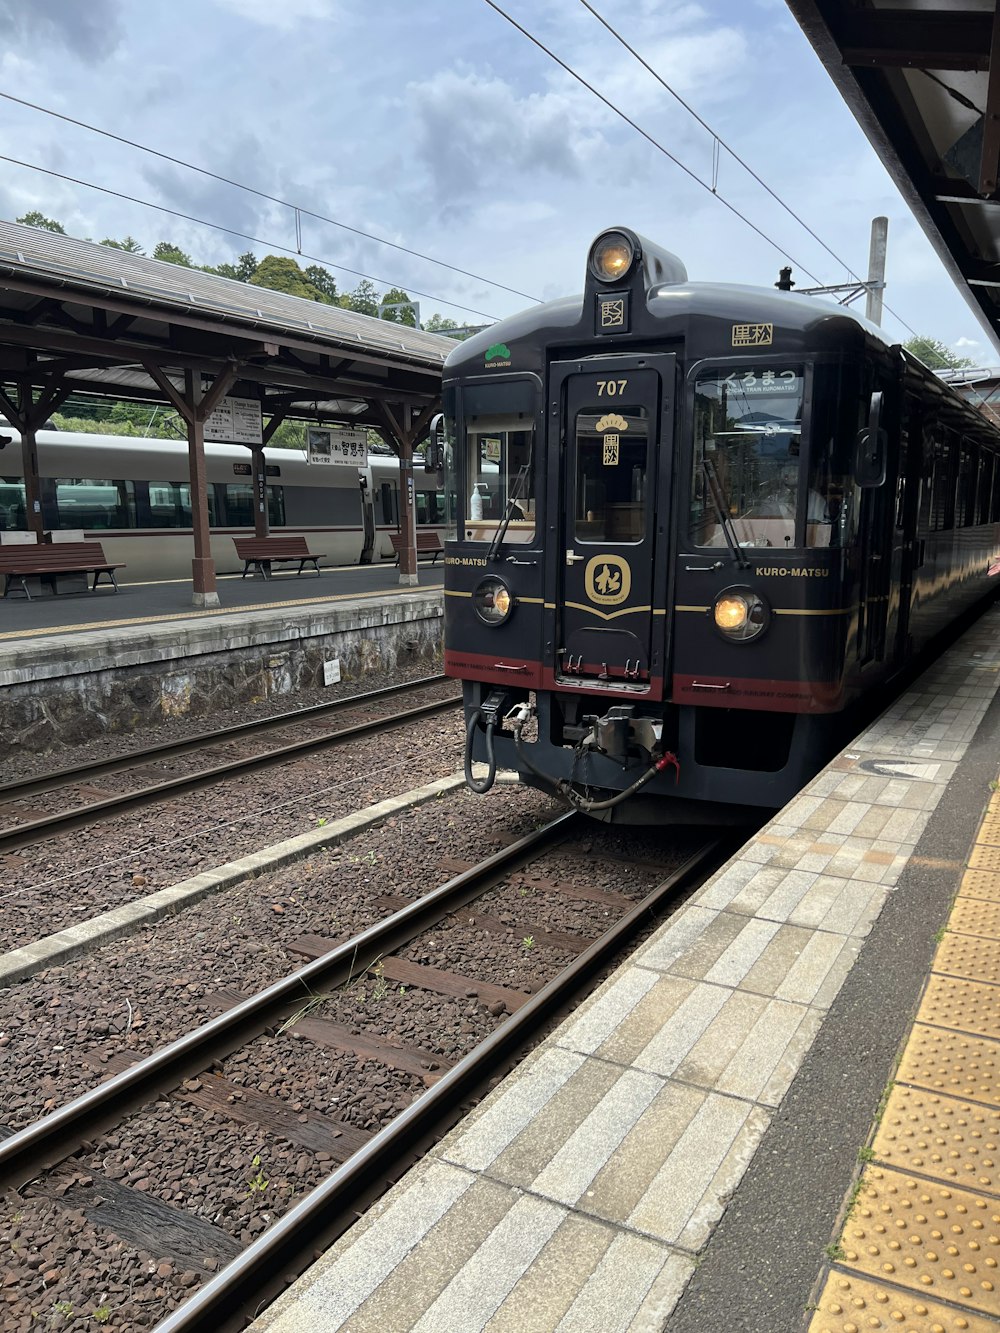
point(440, 128)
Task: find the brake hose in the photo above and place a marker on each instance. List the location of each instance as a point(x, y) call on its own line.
point(479, 785)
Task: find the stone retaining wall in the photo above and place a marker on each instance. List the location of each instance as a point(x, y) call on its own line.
point(60, 691)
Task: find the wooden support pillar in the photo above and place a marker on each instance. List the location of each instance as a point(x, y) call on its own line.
point(402, 431)
point(27, 415)
point(196, 408)
point(203, 585)
point(261, 518)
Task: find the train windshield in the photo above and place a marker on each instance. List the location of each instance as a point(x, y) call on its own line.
point(494, 462)
point(747, 447)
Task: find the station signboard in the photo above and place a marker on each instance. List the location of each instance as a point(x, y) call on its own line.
point(337, 444)
point(235, 421)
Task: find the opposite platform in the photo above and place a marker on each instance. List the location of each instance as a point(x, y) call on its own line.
point(676, 1155)
point(75, 667)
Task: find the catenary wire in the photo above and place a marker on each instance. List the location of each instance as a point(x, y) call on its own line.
point(231, 231)
point(649, 138)
point(736, 157)
point(262, 194)
point(687, 170)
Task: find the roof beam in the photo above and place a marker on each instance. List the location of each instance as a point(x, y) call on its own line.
point(913, 38)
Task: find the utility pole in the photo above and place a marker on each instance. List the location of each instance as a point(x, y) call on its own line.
point(846, 292)
point(876, 269)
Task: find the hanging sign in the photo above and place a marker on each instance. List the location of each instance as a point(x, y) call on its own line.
point(236, 421)
point(337, 444)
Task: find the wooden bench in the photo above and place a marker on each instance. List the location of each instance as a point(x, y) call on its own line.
point(428, 543)
point(47, 560)
point(263, 552)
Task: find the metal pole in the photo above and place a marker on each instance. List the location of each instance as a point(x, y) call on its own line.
point(876, 269)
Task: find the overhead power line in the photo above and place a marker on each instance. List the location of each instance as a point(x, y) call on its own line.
point(711, 189)
point(262, 194)
point(649, 139)
point(231, 231)
point(732, 152)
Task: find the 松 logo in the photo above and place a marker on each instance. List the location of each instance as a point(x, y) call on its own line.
point(498, 355)
point(607, 580)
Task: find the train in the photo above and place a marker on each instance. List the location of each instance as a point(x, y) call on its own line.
point(135, 495)
point(700, 525)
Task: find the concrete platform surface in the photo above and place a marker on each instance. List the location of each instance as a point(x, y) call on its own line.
point(682, 1153)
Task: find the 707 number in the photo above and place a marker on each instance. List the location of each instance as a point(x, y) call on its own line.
point(611, 388)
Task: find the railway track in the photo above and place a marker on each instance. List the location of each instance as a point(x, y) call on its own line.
point(23, 832)
point(192, 1069)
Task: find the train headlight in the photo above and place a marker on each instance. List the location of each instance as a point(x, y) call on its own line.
point(611, 256)
point(492, 601)
point(740, 614)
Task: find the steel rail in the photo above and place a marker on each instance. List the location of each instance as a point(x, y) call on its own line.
point(236, 1294)
point(18, 835)
point(62, 1132)
point(62, 777)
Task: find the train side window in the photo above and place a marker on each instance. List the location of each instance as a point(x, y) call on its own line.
point(965, 495)
point(170, 505)
point(942, 514)
point(93, 505)
point(984, 490)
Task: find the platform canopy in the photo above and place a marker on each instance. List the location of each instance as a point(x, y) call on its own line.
point(922, 77)
point(91, 319)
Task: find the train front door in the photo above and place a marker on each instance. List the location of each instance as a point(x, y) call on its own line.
point(616, 423)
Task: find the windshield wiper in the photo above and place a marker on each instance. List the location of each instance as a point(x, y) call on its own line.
point(508, 512)
point(722, 513)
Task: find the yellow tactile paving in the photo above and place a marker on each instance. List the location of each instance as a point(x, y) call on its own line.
point(954, 1063)
point(943, 1137)
point(983, 857)
point(934, 1239)
point(966, 1006)
point(980, 884)
point(970, 956)
point(975, 916)
point(927, 1212)
point(854, 1305)
point(989, 831)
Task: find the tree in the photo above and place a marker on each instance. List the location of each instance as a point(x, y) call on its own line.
point(439, 324)
point(322, 279)
point(129, 244)
point(242, 271)
point(282, 274)
point(36, 219)
point(364, 299)
point(395, 296)
point(935, 354)
point(172, 254)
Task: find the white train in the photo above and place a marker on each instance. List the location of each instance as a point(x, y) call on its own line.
point(135, 494)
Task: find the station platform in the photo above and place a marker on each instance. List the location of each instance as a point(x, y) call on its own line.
point(148, 603)
point(782, 1113)
point(76, 667)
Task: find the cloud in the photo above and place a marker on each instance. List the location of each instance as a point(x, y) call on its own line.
point(284, 14)
point(91, 31)
point(466, 130)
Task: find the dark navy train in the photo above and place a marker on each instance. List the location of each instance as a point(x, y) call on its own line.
point(695, 523)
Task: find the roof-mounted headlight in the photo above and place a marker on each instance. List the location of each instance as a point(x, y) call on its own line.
point(740, 614)
point(611, 257)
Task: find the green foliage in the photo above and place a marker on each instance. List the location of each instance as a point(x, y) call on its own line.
point(438, 324)
point(322, 279)
point(172, 254)
point(363, 300)
point(36, 219)
point(242, 271)
point(258, 1183)
point(281, 274)
point(395, 296)
point(935, 354)
point(128, 243)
